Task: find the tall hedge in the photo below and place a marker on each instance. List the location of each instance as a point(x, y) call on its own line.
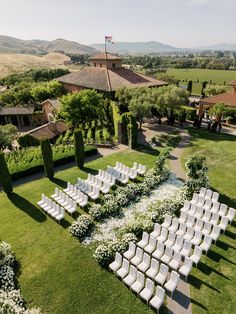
point(129, 129)
point(47, 158)
point(79, 148)
point(5, 177)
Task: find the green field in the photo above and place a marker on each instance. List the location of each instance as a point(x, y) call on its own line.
point(213, 283)
point(219, 77)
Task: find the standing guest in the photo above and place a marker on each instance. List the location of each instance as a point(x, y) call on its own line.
point(220, 127)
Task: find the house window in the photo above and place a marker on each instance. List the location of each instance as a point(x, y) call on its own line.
point(100, 65)
point(113, 65)
point(95, 64)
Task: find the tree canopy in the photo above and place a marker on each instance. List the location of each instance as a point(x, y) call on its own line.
point(83, 108)
point(8, 133)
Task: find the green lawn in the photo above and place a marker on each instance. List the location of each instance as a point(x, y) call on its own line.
point(219, 77)
point(213, 284)
point(57, 273)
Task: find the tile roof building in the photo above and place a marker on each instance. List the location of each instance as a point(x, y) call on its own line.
point(19, 116)
point(106, 74)
point(228, 98)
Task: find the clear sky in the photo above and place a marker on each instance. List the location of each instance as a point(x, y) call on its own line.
point(182, 23)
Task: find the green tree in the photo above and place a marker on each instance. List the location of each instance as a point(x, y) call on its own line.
point(79, 148)
point(168, 101)
point(47, 158)
point(8, 133)
point(190, 87)
point(219, 110)
point(139, 105)
point(5, 177)
point(82, 108)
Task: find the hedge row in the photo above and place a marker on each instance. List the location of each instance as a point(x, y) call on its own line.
point(89, 151)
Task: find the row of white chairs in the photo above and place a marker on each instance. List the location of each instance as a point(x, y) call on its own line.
point(174, 234)
point(141, 169)
point(106, 177)
point(78, 196)
point(209, 194)
point(142, 259)
point(53, 209)
point(208, 210)
point(132, 173)
point(138, 283)
point(121, 177)
point(203, 225)
point(64, 200)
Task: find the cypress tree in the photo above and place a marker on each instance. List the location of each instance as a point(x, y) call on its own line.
point(47, 158)
point(5, 177)
point(190, 87)
point(79, 148)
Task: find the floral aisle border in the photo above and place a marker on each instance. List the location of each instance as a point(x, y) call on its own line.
point(11, 300)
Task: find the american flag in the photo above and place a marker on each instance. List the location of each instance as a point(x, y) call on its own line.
point(109, 39)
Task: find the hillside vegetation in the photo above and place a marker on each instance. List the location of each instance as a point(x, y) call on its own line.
point(14, 63)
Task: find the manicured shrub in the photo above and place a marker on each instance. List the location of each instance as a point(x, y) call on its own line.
point(79, 148)
point(103, 254)
point(81, 227)
point(6, 254)
point(47, 158)
point(96, 211)
point(5, 178)
point(28, 140)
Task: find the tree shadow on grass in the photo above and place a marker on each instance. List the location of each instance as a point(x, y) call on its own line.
point(90, 170)
point(27, 207)
point(207, 270)
point(197, 283)
point(217, 257)
point(60, 182)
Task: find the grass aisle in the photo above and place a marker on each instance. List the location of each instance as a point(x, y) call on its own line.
point(213, 284)
point(57, 273)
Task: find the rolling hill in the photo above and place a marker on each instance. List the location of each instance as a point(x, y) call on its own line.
point(41, 47)
point(137, 47)
point(13, 63)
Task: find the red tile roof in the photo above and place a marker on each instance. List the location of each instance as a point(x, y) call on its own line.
point(228, 98)
point(103, 56)
point(233, 83)
point(103, 79)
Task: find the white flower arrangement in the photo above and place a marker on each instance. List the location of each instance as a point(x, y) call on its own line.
point(96, 211)
point(81, 226)
point(7, 278)
point(11, 301)
point(6, 254)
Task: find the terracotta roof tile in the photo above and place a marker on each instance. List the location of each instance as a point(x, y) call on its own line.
point(233, 83)
point(228, 98)
point(104, 79)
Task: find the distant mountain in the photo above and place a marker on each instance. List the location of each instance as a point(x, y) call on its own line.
point(39, 47)
point(222, 47)
point(137, 47)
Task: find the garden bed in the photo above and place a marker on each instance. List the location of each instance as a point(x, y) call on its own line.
point(29, 161)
